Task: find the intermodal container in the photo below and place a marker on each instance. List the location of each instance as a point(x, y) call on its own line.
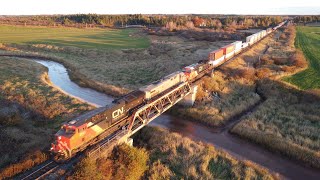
point(228, 49)
point(214, 55)
point(245, 44)
point(237, 45)
point(269, 30)
point(264, 33)
point(250, 39)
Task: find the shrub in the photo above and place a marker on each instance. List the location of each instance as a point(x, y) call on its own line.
point(298, 59)
point(125, 162)
point(246, 73)
point(289, 69)
point(86, 169)
point(280, 60)
point(263, 73)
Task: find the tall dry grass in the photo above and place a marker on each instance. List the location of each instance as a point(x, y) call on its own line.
point(218, 100)
point(30, 113)
point(287, 122)
point(27, 162)
point(181, 158)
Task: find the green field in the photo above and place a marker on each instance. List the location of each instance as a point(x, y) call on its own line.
point(82, 38)
point(308, 40)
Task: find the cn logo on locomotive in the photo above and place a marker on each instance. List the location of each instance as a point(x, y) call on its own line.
point(117, 113)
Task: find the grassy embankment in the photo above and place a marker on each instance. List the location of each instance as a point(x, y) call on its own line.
point(169, 157)
point(288, 121)
point(30, 113)
point(95, 62)
point(307, 40)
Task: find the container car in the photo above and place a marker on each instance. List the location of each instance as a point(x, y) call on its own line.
point(250, 39)
point(244, 45)
point(237, 47)
point(228, 51)
point(163, 84)
point(216, 58)
point(216, 54)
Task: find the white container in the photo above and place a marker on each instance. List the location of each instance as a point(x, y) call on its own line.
point(163, 84)
point(218, 62)
point(244, 45)
point(237, 45)
point(250, 39)
point(229, 55)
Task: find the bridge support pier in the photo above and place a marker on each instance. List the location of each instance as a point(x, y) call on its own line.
point(191, 98)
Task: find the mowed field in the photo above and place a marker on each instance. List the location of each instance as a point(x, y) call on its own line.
point(82, 38)
point(308, 40)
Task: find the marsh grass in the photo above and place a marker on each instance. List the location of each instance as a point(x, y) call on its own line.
point(181, 158)
point(288, 122)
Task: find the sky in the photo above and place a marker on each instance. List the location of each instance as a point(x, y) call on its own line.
point(36, 7)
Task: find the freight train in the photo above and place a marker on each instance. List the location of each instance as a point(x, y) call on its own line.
point(81, 132)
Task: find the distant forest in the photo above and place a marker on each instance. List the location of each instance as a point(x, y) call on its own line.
point(116, 21)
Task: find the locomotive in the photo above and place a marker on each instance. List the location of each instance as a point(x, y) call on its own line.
point(89, 128)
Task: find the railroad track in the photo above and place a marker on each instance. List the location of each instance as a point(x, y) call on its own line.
point(42, 171)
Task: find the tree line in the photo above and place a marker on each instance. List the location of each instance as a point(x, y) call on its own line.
point(306, 19)
point(85, 20)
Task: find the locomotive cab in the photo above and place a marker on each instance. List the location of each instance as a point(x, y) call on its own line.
point(190, 72)
point(61, 145)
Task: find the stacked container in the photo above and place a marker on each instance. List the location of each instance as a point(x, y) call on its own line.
point(228, 51)
point(244, 45)
point(250, 39)
point(237, 47)
point(216, 57)
point(269, 30)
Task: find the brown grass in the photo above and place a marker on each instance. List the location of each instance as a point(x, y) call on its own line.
point(181, 158)
point(287, 122)
point(30, 112)
point(27, 162)
point(218, 100)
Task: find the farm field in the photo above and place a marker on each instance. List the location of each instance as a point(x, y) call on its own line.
point(112, 70)
point(75, 37)
point(308, 40)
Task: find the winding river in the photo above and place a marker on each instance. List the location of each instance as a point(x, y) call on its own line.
point(241, 149)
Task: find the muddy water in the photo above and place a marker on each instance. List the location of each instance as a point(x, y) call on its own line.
point(223, 140)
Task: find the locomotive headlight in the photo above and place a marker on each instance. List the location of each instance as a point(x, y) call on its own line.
point(59, 137)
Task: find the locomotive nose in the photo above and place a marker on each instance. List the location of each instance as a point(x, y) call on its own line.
point(53, 147)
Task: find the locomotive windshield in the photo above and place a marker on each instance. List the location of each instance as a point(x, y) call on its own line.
point(185, 70)
point(68, 130)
